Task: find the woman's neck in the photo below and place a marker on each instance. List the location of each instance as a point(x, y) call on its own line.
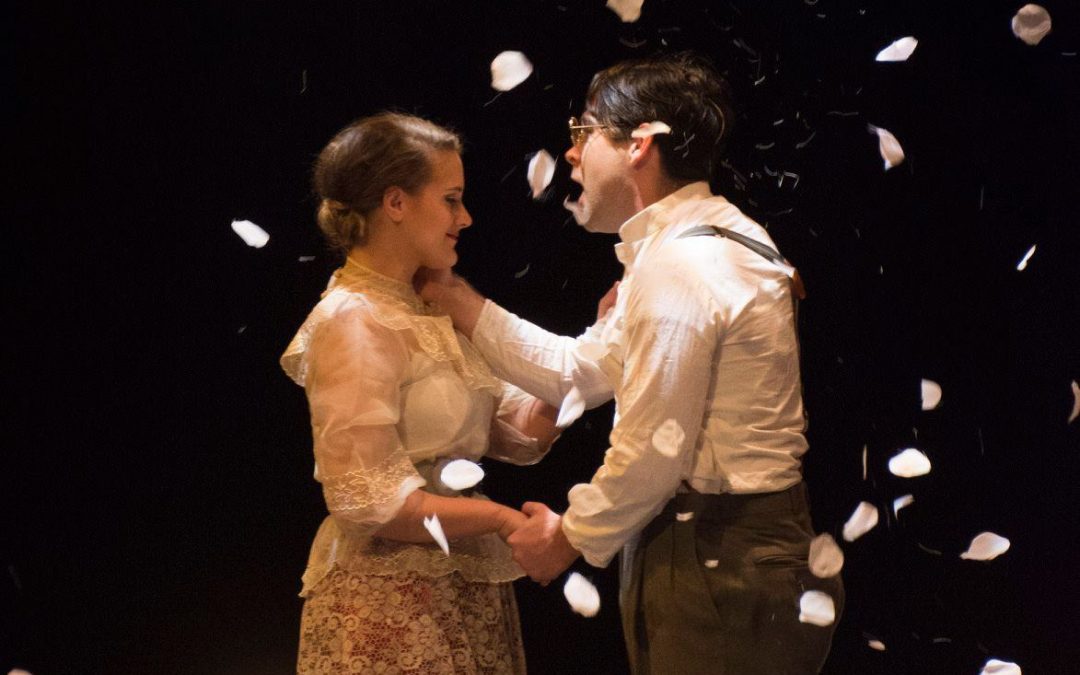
point(385, 260)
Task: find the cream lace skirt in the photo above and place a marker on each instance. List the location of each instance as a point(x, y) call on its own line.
point(408, 623)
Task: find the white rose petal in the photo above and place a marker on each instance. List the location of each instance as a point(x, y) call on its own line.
point(541, 171)
point(629, 11)
point(931, 394)
point(816, 608)
point(826, 558)
point(668, 438)
point(650, 129)
point(434, 528)
point(877, 644)
point(899, 50)
point(712, 564)
point(901, 502)
point(582, 595)
point(461, 474)
point(909, 464)
point(252, 234)
point(1076, 402)
point(888, 146)
point(571, 409)
point(508, 70)
point(864, 448)
point(862, 520)
point(684, 516)
point(986, 546)
point(1022, 265)
point(1031, 24)
point(996, 667)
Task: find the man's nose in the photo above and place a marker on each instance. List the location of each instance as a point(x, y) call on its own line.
point(573, 155)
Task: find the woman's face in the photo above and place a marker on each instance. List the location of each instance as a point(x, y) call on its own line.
point(436, 214)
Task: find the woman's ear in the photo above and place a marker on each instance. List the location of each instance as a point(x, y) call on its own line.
point(394, 203)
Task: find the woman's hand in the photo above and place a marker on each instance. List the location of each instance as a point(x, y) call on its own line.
point(607, 302)
point(511, 520)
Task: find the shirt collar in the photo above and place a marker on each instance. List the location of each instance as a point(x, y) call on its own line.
point(657, 215)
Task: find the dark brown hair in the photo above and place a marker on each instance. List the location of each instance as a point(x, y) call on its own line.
point(365, 159)
point(682, 90)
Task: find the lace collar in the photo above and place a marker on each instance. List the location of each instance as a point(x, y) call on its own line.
point(357, 277)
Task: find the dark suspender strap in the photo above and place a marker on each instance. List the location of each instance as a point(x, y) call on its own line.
point(755, 246)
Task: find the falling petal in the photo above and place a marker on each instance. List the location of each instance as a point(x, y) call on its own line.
point(508, 70)
point(1031, 24)
point(306, 258)
point(888, 146)
point(582, 595)
point(986, 546)
point(931, 394)
point(668, 438)
point(434, 528)
point(1023, 262)
point(712, 564)
point(899, 50)
point(252, 234)
point(461, 474)
point(862, 520)
point(877, 644)
point(817, 608)
point(650, 129)
point(826, 558)
point(572, 407)
point(522, 272)
point(901, 502)
point(909, 464)
point(541, 171)
point(684, 516)
point(1076, 402)
point(995, 667)
point(864, 462)
point(629, 11)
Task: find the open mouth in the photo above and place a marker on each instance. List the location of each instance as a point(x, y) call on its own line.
point(575, 202)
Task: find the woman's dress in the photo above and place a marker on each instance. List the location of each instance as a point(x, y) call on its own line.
point(394, 394)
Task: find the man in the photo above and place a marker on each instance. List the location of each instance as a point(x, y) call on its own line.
point(702, 483)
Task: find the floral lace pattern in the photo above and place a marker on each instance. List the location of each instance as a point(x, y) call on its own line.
point(357, 490)
point(407, 623)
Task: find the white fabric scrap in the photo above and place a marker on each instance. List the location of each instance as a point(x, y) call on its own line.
point(909, 463)
point(629, 11)
point(931, 394)
point(826, 558)
point(582, 595)
point(901, 502)
point(996, 667)
point(651, 129)
point(461, 474)
point(509, 69)
point(541, 171)
point(434, 528)
point(253, 235)
point(817, 608)
point(986, 546)
point(862, 520)
point(1031, 24)
point(573, 405)
point(899, 50)
point(668, 438)
point(888, 146)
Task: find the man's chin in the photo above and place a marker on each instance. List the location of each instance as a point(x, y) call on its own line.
point(586, 218)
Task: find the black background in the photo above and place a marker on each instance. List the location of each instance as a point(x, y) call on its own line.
point(157, 493)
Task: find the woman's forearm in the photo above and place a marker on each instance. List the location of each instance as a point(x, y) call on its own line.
point(459, 517)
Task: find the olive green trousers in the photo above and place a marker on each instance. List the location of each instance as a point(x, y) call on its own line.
point(713, 586)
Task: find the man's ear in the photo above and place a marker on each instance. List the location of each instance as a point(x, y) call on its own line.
point(394, 203)
point(640, 150)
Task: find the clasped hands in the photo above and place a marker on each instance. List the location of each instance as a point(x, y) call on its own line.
point(539, 546)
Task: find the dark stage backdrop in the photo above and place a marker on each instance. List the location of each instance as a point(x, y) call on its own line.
point(157, 496)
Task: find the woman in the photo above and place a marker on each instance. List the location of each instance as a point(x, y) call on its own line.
point(394, 394)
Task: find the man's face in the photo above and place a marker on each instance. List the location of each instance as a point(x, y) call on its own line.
point(602, 168)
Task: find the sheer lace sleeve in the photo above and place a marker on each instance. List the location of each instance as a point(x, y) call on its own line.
point(508, 443)
point(355, 370)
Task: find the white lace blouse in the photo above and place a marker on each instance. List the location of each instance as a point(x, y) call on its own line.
point(395, 392)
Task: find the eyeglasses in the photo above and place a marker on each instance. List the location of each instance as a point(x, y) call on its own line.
point(579, 132)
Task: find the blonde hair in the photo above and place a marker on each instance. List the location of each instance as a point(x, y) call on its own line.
point(371, 155)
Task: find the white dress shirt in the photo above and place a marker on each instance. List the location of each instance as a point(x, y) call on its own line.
point(701, 354)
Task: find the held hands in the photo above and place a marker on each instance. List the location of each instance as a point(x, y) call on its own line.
point(540, 547)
